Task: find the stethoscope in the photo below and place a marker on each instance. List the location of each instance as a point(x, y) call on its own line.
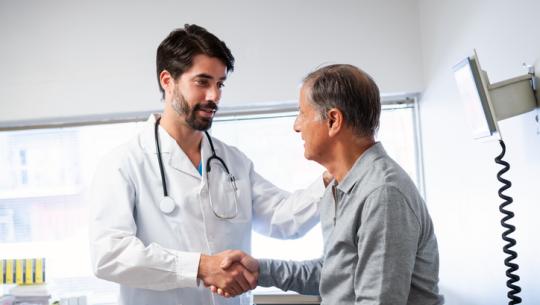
point(167, 204)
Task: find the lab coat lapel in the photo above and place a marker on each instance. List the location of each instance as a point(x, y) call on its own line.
point(179, 160)
point(171, 153)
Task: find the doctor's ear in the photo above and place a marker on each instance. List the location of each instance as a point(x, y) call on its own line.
point(334, 121)
point(166, 81)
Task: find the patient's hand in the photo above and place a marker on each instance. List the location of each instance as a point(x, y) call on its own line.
point(235, 259)
point(233, 278)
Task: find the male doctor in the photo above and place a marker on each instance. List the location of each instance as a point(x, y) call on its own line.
point(167, 205)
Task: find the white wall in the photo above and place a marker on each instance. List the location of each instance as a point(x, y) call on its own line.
point(66, 58)
point(460, 173)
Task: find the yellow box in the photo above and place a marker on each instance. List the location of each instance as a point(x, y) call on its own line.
point(9, 271)
point(19, 271)
point(39, 271)
point(29, 272)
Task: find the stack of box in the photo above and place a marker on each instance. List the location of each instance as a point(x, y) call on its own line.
point(30, 294)
point(79, 300)
point(29, 277)
point(28, 271)
point(6, 300)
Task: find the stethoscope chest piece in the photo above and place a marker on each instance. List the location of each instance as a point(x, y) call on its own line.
point(167, 205)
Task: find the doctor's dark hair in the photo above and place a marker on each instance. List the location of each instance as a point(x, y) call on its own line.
point(350, 90)
point(175, 53)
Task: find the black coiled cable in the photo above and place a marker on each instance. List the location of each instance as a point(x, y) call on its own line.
point(510, 242)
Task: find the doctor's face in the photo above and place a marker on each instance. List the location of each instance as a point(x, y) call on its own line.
point(197, 91)
point(312, 128)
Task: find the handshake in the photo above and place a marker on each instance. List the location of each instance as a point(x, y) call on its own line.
point(229, 273)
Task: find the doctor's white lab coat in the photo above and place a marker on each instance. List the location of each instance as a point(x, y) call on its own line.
point(155, 256)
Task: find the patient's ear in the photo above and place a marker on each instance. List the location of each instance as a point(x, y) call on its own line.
point(335, 121)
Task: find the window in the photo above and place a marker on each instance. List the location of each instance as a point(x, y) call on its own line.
point(43, 212)
point(45, 174)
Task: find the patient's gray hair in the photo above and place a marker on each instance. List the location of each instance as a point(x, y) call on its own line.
point(350, 90)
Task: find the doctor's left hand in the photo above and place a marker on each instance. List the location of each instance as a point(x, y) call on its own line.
point(231, 280)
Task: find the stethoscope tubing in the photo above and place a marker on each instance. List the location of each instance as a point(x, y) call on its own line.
point(160, 161)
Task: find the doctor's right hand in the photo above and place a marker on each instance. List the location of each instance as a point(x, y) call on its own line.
point(234, 258)
point(233, 280)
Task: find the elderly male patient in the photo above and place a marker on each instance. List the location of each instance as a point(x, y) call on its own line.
point(379, 241)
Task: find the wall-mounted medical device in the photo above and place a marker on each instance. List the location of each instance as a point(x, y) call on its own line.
point(486, 103)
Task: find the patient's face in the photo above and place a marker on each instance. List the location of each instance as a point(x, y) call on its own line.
point(313, 129)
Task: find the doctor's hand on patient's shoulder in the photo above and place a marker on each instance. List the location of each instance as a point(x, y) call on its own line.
point(235, 258)
point(230, 280)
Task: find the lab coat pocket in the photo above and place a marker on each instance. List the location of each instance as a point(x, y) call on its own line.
point(242, 194)
point(233, 204)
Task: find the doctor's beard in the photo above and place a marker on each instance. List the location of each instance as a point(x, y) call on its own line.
point(194, 121)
